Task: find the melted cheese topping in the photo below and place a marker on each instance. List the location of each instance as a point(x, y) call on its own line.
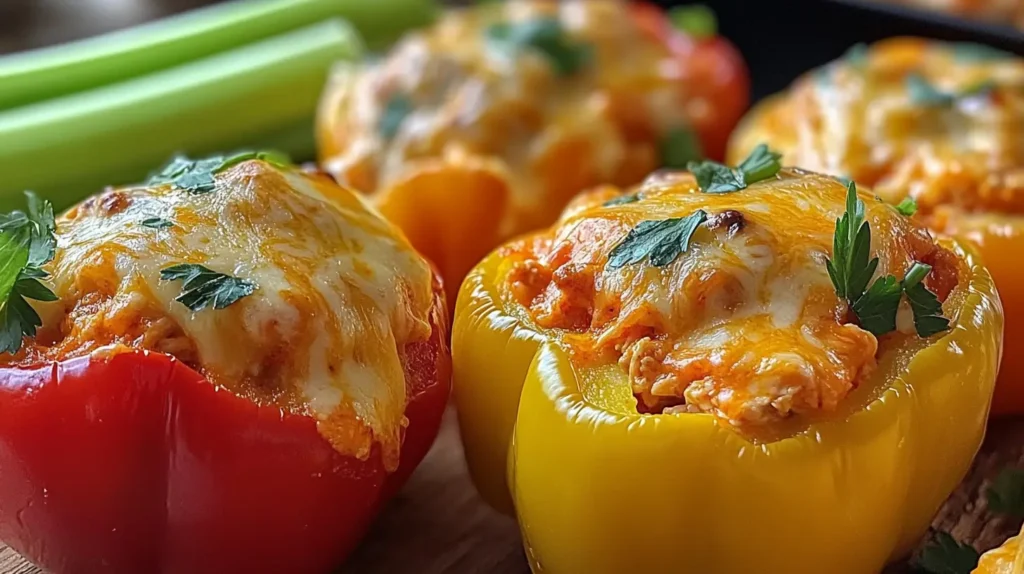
point(746, 324)
point(858, 118)
point(555, 135)
point(340, 292)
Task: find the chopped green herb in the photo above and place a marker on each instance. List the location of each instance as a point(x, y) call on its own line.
point(851, 267)
point(545, 35)
point(922, 92)
point(202, 287)
point(696, 20)
point(877, 308)
point(971, 52)
point(944, 555)
point(857, 55)
point(713, 177)
point(26, 242)
point(196, 176)
point(395, 112)
point(679, 148)
point(928, 319)
point(1006, 494)
point(157, 223)
point(907, 207)
point(761, 164)
point(660, 240)
point(622, 199)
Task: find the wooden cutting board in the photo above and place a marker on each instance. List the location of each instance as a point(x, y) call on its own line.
point(438, 525)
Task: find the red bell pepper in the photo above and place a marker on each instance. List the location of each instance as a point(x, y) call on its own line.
point(709, 68)
point(134, 463)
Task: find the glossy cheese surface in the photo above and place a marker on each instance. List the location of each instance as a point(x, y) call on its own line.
point(745, 323)
point(461, 95)
point(339, 293)
point(943, 123)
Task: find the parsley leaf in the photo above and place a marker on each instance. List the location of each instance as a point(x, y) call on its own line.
point(26, 241)
point(395, 112)
point(857, 55)
point(713, 177)
point(971, 52)
point(1006, 494)
point(924, 93)
point(928, 319)
point(761, 164)
point(679, 147)
point(696, 20)
point(944, 555)
point(876, 308)
point(196, 176)
point(157, 223)
point(907, 207)
point(660, 240)
point(850, 268)
point(545, 35)
point(203, 287)
point(622, 199)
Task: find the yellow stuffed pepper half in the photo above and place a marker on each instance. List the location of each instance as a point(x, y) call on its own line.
point(486, 124)
point(740, 370)
point(932, 126)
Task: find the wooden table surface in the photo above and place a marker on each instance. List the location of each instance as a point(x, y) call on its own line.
point(438, 525)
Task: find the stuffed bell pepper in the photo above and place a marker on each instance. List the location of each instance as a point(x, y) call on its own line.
point(486, 124)
point(227, 369)
point(748, 369)
point(930, 126)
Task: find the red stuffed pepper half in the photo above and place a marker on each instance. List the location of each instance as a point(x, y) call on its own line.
point(227, 369)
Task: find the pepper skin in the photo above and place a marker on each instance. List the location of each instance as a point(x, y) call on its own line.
point(134, 462)
point(600, 488)
point(1006, 559)
point(491, 148)
point(963, 162)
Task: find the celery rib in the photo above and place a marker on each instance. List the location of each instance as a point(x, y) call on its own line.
point(72, 146)
point(37, 75)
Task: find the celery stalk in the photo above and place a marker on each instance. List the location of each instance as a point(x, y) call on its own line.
point(37, 75)
point(261, 94)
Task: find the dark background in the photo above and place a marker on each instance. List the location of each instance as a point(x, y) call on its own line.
point(779, 38)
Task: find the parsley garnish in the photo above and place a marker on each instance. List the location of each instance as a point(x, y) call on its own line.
point(157, 223)
point(395, 112)
point(907, 207)
point(203, 287)
point(27, 241)
point(928, 319)
point(944, 555)
point(857, 55)
point(696, 20)
point(876, 308)
point(852, 267)
point(545, 35)
point(713, 177)
point(660, 240)
point(679, 147)
point(622, 199)
point(1006, 494)
point(922, 92)
point(196, 176)
point(971, 52)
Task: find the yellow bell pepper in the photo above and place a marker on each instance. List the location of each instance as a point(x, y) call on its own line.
point(600, 488)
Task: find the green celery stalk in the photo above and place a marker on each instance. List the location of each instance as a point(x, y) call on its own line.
point(37, 75)
point(264, 94)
